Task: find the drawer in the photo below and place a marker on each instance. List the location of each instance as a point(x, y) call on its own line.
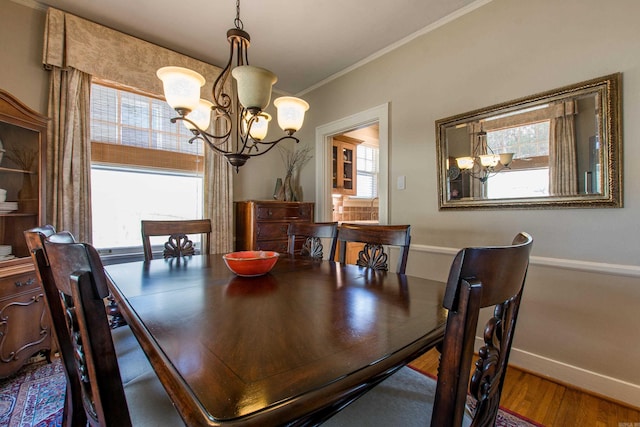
point(280, 246)
point(284, 212)
point(271, 230)
point(18, 284)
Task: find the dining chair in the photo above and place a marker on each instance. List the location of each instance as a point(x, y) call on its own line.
point(375, 237)
point(480, 277)
point(131, 357)
point(178, 243)
point(106, 400)
point(312, 232)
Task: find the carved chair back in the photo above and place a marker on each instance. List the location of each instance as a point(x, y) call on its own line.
point(178, 243)
point(35, 238)
point(375, 237)
point(312, 232)
point(479, 277)
point(82, 286)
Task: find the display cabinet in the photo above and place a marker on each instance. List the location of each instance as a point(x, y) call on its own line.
point(344, 165)
point(24, 321)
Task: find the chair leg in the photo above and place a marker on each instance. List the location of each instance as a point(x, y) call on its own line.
point(116, 318)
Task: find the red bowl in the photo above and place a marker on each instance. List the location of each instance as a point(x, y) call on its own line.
point(251, 263)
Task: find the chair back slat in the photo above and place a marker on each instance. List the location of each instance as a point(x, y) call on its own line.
point(177, 232)
point(479, 277)
point(376, 236)
point(81, 284)
point(311, 233)
point(73, 415)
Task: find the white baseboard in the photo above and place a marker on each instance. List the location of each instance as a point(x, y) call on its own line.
point(567, 264)
point(594, 382)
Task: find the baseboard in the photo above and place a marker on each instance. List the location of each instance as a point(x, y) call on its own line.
point(592, 382)
point(566, 264)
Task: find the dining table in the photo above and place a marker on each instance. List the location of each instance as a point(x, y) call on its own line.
point(291, 347)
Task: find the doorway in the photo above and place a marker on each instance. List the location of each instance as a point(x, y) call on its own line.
point(325, 135)
point(354, 184)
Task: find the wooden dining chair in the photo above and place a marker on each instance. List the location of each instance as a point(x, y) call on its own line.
point(312, 233)
point(81, 284)
point(479, 277)
point(177, 232)
point(375, 237)
point(131, 357)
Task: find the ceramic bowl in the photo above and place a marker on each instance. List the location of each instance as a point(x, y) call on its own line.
point(251, 263)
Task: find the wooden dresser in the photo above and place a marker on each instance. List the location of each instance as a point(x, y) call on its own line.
point(24, 318)
point(262, 225)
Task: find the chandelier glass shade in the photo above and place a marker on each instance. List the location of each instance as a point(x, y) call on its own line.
point(244, 122)
point(484, 166)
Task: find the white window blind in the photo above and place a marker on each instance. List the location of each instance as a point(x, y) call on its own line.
point(367, 171)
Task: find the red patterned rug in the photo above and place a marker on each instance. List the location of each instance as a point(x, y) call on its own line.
point(34, 396)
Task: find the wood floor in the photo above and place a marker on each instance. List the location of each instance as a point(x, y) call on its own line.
point(549, 403)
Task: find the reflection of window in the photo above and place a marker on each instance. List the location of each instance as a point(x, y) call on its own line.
point(142, 167)
point(519, 183)
point(530, 140)
point(367, 171)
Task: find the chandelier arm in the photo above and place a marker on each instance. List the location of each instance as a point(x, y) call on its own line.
point(207, 137)
point(221, 99)
point(271, 144)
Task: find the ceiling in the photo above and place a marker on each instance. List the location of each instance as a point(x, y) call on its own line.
point(304, 42)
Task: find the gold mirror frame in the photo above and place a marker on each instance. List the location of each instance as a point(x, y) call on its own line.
point(606, 94)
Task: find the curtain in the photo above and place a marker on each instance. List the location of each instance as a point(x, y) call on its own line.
point(74, 46)
point(218, 197)
point(563, 168)
point(69, 153)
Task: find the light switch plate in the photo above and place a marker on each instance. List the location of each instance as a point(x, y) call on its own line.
point(401, 182)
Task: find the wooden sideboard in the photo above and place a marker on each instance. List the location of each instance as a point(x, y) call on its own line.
point(263, 225)
point(24, 318)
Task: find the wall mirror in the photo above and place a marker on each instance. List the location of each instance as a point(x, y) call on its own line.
point(560, 148)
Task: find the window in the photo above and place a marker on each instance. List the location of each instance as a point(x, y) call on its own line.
point(367, 171)
point(142, 167)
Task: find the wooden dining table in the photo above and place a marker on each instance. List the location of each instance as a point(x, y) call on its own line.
point(290, 347)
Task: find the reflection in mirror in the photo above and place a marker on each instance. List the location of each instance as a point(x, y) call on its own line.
point(561, 148)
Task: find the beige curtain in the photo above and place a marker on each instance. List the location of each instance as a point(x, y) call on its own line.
point(72, 44)
point(69, 153)
point(218, 200)
point(563, 168)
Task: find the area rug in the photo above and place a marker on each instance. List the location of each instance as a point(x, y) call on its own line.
point(34, 396)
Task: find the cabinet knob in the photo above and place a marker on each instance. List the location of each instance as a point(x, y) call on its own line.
point(270, 212)
point(30, 281)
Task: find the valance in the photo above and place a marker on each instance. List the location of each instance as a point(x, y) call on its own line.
point(73, 42)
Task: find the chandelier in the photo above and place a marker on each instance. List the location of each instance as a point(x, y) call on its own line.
point(483, 166)
point(242, 114)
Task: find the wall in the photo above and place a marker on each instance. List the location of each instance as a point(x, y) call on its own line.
point(579, 318)
point(22, 35)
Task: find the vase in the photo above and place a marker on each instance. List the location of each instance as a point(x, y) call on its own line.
point(289, 194)
point(278, 192)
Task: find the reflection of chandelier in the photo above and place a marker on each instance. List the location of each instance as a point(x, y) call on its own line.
point(484, 166)
point(242, 113)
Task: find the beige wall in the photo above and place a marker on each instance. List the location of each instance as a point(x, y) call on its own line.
point(21, 72)
point(576, 323)
point(579, 320)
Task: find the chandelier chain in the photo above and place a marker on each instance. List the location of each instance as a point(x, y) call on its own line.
point(238, 22)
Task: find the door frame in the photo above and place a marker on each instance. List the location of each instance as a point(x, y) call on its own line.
point(324, 135)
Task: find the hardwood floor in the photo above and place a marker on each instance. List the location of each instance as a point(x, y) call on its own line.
point(549, 403)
